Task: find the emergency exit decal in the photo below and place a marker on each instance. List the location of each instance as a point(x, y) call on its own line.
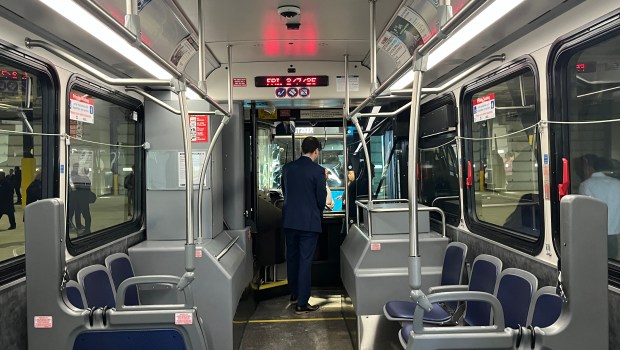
point(484, 108)
point(81, 108)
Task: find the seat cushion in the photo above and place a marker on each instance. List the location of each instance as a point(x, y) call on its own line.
point(405, 310)
point(400, 309)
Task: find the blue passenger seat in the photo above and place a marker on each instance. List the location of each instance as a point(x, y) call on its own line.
point(120, 270)
point(545, 308)
point(98, 286)
point(484, 273)
point(514, 291)
point(75, 294)
point(451, 274)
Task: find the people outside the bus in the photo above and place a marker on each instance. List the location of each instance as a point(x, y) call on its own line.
point(352, 196)
point(6, 200)
point(304, 190)
point(73, 215)
point(16, 180)
point(34, 192)
point(596, 183)
point(129, 184)
point(84, 198)
point(329, 201)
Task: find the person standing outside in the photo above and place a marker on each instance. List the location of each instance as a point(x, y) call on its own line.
point(16, 181)
point(304, 190)
point(6, 200)
point(129, 186)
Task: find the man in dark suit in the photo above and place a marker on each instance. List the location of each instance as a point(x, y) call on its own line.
point(6, 200)
point(303, 186)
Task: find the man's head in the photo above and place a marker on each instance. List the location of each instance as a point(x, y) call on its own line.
point(310, 147)
point(589, 164)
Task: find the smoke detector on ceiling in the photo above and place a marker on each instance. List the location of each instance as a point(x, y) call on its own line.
point(289, 11)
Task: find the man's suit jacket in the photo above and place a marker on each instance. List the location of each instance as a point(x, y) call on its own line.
point(303, 186)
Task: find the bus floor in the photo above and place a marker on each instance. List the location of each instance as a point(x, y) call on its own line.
point(275, 326)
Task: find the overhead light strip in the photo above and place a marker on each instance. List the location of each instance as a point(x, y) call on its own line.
point(83, 19)
point(482, 21)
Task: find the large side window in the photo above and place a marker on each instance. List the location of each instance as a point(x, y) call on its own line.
point(586, 91)
point(439, 182)
point(27, 159)
point(104, 163)
point(502, 162)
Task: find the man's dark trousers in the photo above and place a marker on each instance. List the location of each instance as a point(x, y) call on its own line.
point(300, 247)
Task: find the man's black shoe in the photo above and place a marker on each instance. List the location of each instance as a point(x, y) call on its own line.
point(305, 309)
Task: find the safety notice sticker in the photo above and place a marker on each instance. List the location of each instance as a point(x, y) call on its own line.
point(199, 128)
point(181, 318)
point(81, 108)
point(484, 108)
point(43, 322)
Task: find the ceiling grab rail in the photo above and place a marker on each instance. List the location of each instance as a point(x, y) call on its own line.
point(161, 103)
point(218, 132)
point(419, 64)
point(345, 117)
point(444, 87)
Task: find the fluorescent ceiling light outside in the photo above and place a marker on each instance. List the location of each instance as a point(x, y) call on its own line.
point(83, 19)
point(482, 21)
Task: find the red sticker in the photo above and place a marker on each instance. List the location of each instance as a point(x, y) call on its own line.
point(43, 321)
point(198, 253)
point(199, 128)
point(375, 246)
point(183, 318)
point(240, 82)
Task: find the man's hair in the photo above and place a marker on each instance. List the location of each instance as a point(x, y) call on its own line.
point(310, 144)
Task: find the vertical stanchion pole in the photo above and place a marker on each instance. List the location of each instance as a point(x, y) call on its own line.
point(345, 117)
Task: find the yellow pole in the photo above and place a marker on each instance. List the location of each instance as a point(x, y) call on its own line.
point(481, 180)
point(28, 168)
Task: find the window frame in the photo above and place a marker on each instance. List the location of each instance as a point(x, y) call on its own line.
point(562, 50)
point(13, 269)
point(496, 233)
point(86, 243)
point(441, 138)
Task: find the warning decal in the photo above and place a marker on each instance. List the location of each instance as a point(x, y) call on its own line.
point(183, 318)
point(484, 108)
point(43, 322)
point(81, 108)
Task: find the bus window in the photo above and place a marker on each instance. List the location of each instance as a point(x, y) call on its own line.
point(23, 106)
point(439, 182)
point(592, 94)
point(104, 163)
point(502, 157)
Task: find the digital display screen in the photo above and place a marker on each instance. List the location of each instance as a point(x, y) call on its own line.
point(586, 67)
point(305, 80)
point(13, 75)
point(337, 197)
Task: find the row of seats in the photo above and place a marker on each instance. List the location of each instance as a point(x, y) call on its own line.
point(97, 284)
point(515, 289)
